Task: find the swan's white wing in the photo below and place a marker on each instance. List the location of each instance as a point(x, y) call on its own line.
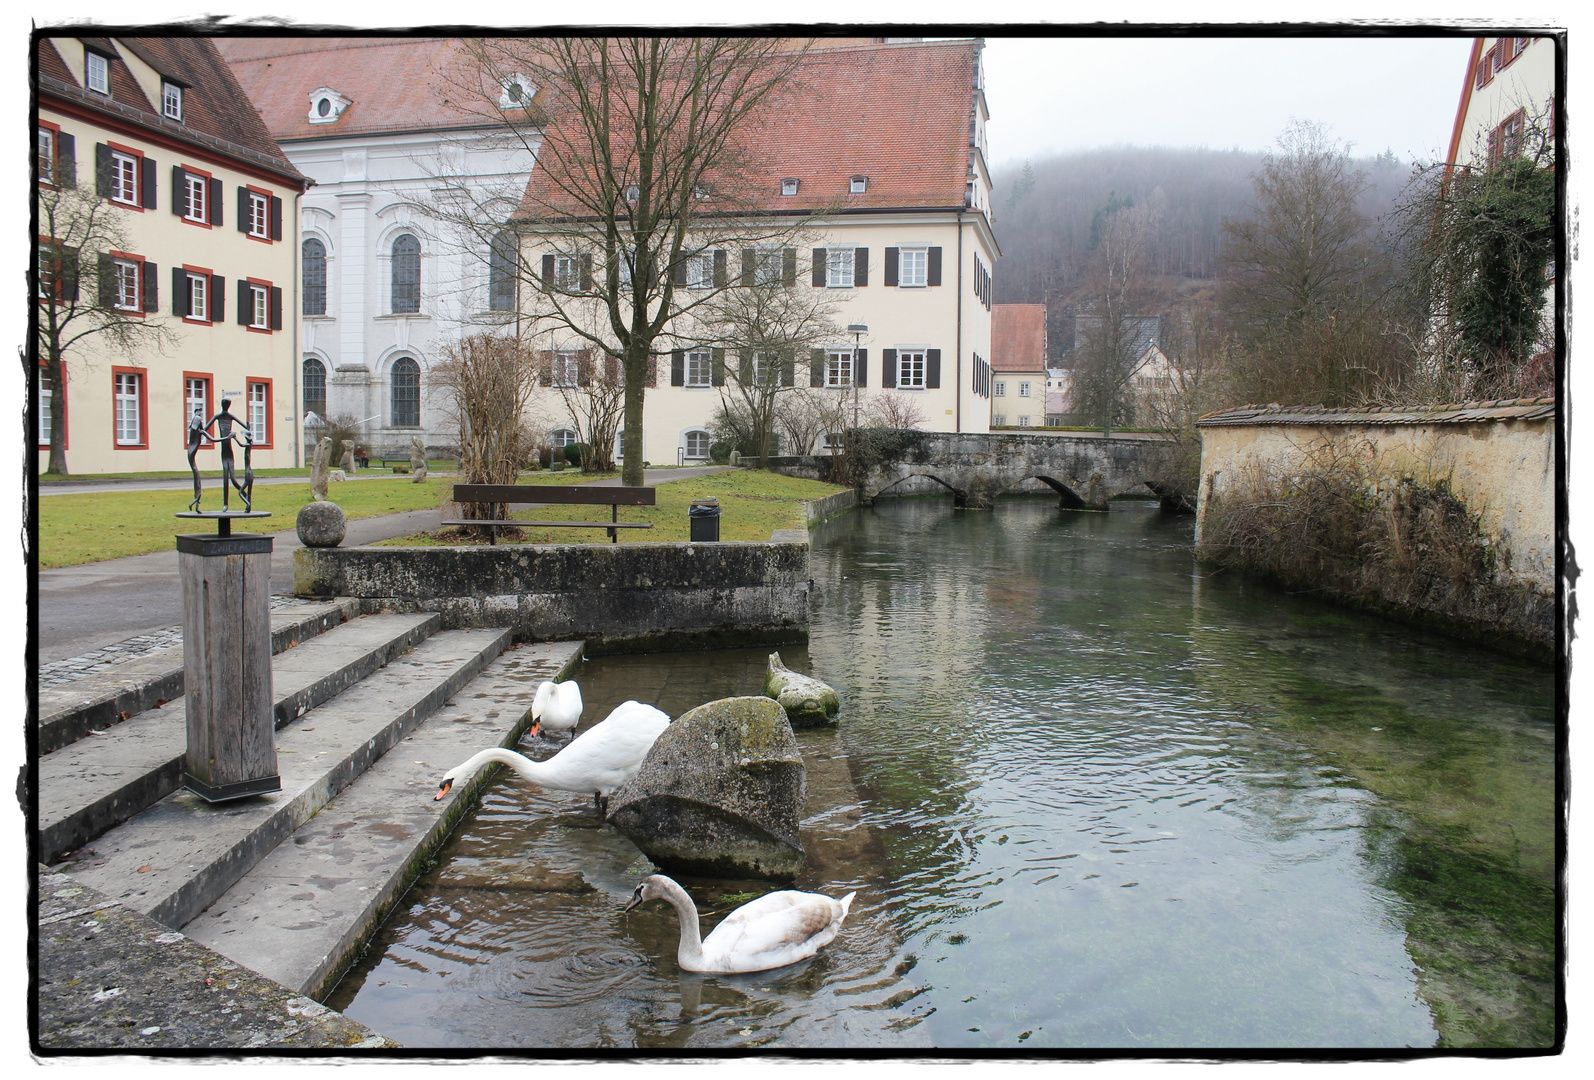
point(608, 753)
point(776, 929)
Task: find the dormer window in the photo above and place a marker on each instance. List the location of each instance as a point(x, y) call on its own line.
point(859, 185)
point(632, 193)
point(326, 105)
point(788, 186)
point(699, 191)
point(97, 71)
point(517, 92)
point(172, 101)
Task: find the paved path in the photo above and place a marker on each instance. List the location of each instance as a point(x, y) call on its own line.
point(85, 610)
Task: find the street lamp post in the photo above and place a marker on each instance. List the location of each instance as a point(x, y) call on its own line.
point(857, 330)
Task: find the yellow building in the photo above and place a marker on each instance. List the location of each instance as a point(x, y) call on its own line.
point(154, 138)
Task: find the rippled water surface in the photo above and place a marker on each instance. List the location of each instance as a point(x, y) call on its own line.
point(1088, 796)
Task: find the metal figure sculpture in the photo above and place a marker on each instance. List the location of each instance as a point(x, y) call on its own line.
point(224, 436)
point(196, 438)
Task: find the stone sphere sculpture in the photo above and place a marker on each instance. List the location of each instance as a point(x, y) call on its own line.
point(321, 524)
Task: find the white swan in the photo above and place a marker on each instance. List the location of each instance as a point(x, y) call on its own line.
point(598, 760)
point(777, 929)
point(556, 707)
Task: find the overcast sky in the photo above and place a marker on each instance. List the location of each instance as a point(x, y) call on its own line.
point(1051, 95)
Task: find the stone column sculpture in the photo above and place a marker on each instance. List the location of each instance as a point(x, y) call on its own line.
point(417, 459)
point(319, 469)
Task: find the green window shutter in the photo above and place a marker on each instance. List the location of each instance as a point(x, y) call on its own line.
point(816, 367)
point(888, 367)
point(860, 267)
point(819, 268)
point(718, 378)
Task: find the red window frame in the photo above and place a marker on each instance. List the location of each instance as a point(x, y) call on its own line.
point(58, 400)
point(55, 286)
point(250, 326)
point(266, 194)
point(138, 260)
point(249, 384)
point(138, 177)
point(201, 222)
point(210, 400)
point(55, 152)
point(143, 408)
point(210, 297)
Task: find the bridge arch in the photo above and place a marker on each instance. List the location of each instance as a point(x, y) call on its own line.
point(960, 498)
point(1069, 499)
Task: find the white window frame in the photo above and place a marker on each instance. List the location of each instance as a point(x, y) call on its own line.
point(700, 435)
point(857, 185)
point(789, 185)
point(1023, 421)
point(259, 215)
point(834, 441)
point(198, 198)
point(199, 290)
point(838, 368)
point(1023, 389)
point(127, 413)
point(919, 259)
point(190, 399)
point(127, 274)
point(839, 267)
point(567, 368)
point(700, 271)
point(769, 266)
point(260, 308)
point(567, 272)
point(558, 437)
point(46, 401)
point(699, 368)
point(766, 364)
point(256, 406)
point(124, 178)
point(172, 101)
point(46, 155)
point(999, 420)
point(999, 388)
point(912, 368)
point(97, 73)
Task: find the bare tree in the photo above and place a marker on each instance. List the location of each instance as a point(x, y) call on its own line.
point(84, 294)
point(808, 415)
point(643, 182)
point(592, 391)
point(1305, 287)
point(893, 410)
point(487, 381)
point(1112, 338)
point(770, 330)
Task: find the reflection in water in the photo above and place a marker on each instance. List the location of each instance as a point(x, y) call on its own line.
point(1089, 798)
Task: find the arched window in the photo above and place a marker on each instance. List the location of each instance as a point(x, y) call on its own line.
point(562, 436)
point(315, 278)
point(501, 276)
point(697, 444)
point(315, 387)
point(406, 378)
point(406, 275)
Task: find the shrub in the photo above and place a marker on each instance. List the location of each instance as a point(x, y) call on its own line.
point(574, 452)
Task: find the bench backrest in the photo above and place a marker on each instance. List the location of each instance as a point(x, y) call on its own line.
point(590, 494)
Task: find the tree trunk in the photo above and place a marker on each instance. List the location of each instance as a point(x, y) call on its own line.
point(52, 372)
point(636, 376)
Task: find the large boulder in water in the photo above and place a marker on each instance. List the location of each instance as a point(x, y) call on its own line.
point(807, 701)
point(720, 794)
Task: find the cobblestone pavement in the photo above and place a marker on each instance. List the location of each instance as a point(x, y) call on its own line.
point(75, 667)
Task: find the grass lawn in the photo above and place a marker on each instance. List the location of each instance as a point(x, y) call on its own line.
point(752, 505)
point(209, 471)
point(75, 529)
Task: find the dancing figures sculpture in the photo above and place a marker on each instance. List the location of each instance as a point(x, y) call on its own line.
point(196, 437)
point(224, 436)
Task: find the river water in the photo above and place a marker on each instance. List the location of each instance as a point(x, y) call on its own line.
point(1089, 795)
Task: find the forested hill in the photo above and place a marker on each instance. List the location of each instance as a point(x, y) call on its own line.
point(1044, 210)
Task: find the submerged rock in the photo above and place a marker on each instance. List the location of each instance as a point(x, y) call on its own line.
point(807, 701)
point(720, 794)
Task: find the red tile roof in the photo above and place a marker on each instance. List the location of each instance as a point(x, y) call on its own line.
point(1018, 337)
point(394, 84)
point(217, 114)
point(897, 114)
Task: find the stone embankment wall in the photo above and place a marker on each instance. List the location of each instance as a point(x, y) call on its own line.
point(619, 597)
point(1450, 511)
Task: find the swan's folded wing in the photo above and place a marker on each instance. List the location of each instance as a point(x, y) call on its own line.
point(777, 923)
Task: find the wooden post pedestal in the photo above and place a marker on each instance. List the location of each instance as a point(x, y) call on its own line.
point(232, 748)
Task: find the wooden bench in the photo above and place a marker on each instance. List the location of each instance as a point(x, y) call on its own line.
point(540, 494)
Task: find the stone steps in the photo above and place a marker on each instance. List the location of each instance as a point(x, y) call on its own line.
point(96, 702)
point(95, 783)
point(305, 910)
point(174, 859)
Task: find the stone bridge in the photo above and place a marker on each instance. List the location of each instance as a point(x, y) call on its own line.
point(1084, 470)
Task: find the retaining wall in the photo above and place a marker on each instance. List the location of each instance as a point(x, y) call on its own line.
point(619, 597)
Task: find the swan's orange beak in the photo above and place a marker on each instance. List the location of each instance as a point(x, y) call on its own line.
point(536, 727)
point(443, 788)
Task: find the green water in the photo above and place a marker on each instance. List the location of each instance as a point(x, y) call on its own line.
point(1089, 797)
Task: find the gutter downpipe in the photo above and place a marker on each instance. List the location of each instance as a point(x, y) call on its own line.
point(957, 396)
point(298, 339)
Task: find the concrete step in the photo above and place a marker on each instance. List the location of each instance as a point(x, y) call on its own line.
point(172, 861)
point(95, 702)
point(305, 911)
point(90, 785)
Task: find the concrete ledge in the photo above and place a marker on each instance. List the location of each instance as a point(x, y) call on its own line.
point(109, 978)
point(95, 702)
point(618, 597)
point(830, 506)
